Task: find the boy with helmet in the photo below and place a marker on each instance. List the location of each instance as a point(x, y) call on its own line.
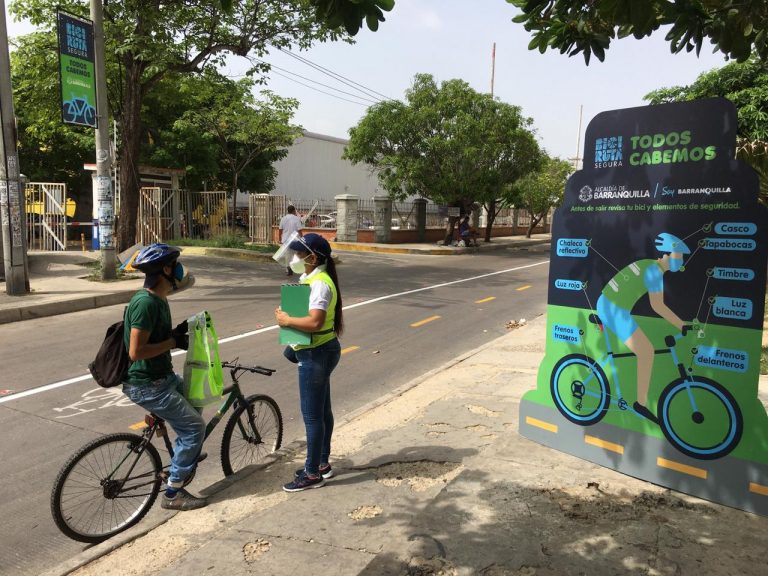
point(151, 382)
point(619, 296)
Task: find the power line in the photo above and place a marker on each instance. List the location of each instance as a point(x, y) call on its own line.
point(369, 99)
point(321, 91)
point(338, 77)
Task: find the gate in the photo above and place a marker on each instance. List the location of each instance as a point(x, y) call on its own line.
point(207, 214)
point(47, 210)
point(262, 211)
point(158, 218)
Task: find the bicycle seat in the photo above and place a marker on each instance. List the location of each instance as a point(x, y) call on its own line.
point(595, 319)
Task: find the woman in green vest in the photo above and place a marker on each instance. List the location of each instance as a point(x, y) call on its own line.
point(316, 360)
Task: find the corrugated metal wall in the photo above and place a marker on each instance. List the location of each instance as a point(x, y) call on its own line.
point(314, 170)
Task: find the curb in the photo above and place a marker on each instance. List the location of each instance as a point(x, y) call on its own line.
point(98, 551)
point(237, 253)
point(40, 310)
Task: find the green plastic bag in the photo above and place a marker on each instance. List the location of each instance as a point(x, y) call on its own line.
point(203, 376)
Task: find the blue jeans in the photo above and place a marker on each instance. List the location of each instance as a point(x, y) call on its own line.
point(165, 398)
point(315, 367)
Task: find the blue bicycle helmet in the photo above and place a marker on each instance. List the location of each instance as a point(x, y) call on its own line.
point(152, 258)
point(666, 242)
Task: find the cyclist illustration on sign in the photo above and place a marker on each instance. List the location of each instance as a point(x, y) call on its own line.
point(621, 294)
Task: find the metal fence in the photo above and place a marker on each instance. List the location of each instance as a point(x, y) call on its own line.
point(47, 209)
point(166, 214)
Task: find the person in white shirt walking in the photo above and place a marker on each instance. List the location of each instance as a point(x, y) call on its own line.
point(289, 224)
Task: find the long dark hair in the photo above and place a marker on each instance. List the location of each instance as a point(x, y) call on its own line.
point(338, 319)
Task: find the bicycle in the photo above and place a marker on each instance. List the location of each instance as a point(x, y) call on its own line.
point(111, 483)
point(697, 415)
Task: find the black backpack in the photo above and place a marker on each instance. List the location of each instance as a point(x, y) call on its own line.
point(112, 362)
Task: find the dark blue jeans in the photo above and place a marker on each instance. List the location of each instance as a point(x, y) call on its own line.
point(315, 367)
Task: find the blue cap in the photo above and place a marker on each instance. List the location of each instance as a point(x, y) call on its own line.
point(312, 243)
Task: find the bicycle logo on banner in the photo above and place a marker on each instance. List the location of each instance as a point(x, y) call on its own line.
point(78, 111)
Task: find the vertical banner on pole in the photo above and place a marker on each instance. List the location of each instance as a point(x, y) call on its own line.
point(76, 70)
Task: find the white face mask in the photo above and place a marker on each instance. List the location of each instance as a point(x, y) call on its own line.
point(297, 264)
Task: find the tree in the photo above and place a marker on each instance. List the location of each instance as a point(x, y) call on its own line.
point(538, 191)
point(746, 85)
point(447, 143)
point(735, 27)
point(151, 39)
point(243, 128)
point(351, 13)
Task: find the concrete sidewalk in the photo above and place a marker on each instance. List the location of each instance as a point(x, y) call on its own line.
point(435, 480)
point(59, 281)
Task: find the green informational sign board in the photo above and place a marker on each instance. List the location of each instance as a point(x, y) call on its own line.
point(76, 70)
point(655, 307)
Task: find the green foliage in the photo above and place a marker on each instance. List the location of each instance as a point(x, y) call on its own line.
point(351, 13)
point(538, 191)
point(447, 143)
point(735, 27)
point(232, 241)
point(248, 133)
point(746, 85)
point(49, 151)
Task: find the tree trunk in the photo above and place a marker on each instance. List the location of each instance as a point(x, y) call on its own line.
point(491, 211)
point(234, 200)
point(533, 223)
point(448, 240)
point(130, 149)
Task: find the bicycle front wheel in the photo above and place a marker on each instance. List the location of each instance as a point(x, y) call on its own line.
point(700, 418)
point(106, 487)
point(254, 430)
point(580, 389)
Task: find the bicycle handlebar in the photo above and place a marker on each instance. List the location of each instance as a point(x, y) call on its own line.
point(234, 368)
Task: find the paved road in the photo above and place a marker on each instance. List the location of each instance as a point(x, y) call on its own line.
point(405, 315)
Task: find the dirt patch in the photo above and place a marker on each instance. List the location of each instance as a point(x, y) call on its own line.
point(419, 476)
point(477, 428)
point(418, 566)
point(253, 551)
point(482, 411)
point(365, 512)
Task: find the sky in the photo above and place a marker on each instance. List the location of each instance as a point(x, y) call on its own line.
point(454, 39)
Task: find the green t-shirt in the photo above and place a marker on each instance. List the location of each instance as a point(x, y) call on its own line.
point(633, 282)
point(151, 313)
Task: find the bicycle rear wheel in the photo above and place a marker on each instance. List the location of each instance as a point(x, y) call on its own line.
point(254, 430)
point(580, 389)
point(106, 487)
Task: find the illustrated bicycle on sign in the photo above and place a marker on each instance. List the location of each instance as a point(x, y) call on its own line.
point(79, 111)
point(697, 415)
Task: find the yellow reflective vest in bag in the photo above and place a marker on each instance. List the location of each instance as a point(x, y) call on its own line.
point(326, 333)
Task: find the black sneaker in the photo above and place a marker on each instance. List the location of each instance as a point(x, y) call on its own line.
point(304, 482)
point(325, 471)
point(644, 412)
point(183, 501)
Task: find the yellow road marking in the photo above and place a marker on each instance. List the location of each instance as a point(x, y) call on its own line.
point(684, 468)
point(541, 424)
point(758, 489)
point(422, 322)
point(594, 441)
point(138, 425)
point(350, 349)
point(523, 288)
point(485, 300)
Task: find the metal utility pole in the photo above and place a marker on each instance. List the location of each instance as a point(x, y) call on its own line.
point(493, 66)
point(103, 178)
point(11, 194)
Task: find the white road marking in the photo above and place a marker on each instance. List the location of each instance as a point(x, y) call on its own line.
point(84, 377)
